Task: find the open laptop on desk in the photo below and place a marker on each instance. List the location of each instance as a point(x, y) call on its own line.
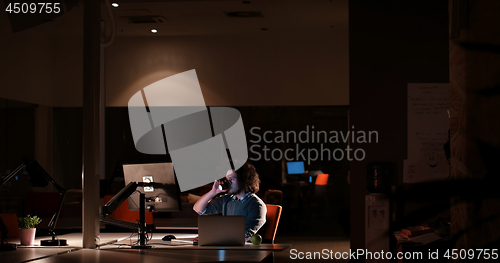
point(217, 230)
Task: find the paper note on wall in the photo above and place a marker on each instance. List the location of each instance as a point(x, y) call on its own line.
point(428, 126)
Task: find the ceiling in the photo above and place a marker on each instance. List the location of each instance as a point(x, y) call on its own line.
point(307, 37)
point(203, 17)
point(209, 17)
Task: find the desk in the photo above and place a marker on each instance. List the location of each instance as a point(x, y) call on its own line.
point(37, 252)
point(181, 244)
point(74, 240)
point(423, 244)
point(112, 249)
point(23, 254)
point(156, 256)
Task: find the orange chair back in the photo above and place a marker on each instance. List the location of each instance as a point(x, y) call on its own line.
point(10, 221)
point(272, 220)
point(122, 212)
point(322, 179)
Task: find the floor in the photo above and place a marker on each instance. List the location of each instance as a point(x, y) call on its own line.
point(314, 227)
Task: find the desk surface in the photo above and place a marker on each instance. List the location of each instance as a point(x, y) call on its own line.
point(114, 247)
point(183, 243)
point(23, 254)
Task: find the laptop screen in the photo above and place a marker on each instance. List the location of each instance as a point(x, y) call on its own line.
point(217, 230)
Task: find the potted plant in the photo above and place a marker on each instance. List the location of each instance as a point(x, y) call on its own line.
point(27, 229)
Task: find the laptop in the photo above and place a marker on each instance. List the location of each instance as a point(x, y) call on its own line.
point(217, 230)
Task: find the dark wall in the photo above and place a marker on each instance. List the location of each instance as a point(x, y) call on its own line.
point(67, 143)
point(391, 43)
point(120, 146)
point(120, 149)
point(296, 216)
point(17, 138)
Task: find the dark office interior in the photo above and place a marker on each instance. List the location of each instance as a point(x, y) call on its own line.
point(286, 66)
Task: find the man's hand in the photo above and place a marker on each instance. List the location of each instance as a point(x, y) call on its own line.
point(201, 204)
point(215, 187)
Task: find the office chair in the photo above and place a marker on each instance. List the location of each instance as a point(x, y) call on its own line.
point(273, 196)
point(123, 213)
point(10, 221)
point(269, 229)
point(322, 179)
point(320, 185)
point(318, 199)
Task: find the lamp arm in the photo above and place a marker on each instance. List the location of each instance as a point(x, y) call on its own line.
point(59, 188)
point(114, 203)
point(7, 178)
point(53, 220)
point(62, 191)
point(120, 223)
point(119, 198)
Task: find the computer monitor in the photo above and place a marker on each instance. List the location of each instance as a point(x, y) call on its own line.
point(162, 198)
point(295, 167)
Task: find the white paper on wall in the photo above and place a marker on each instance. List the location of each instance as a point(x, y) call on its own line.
point(428, 125)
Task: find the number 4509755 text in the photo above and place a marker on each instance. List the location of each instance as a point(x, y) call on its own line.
point(32, 8)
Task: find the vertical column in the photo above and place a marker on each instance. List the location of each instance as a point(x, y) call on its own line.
point(101, 168)
point(91, 117)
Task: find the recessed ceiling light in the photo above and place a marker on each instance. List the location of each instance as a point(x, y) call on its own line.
point(154, 31)
point(115, 5)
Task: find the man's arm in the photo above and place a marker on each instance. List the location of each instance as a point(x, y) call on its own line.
point(202, 203)
point(255, 218)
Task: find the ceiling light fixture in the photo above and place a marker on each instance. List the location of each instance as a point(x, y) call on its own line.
point(115, 5)
point(154, 31)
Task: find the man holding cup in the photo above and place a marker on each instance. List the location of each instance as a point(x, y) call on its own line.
point(240, 187)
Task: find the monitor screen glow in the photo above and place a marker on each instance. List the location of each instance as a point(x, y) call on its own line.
point(295, 167)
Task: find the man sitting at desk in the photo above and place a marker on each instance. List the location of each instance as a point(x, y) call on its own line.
point(239, 200)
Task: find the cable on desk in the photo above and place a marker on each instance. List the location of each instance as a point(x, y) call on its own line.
point(115, 241)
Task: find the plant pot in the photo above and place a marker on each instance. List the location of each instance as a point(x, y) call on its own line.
point(27, 236)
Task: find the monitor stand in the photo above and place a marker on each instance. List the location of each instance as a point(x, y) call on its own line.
point(142, 223)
